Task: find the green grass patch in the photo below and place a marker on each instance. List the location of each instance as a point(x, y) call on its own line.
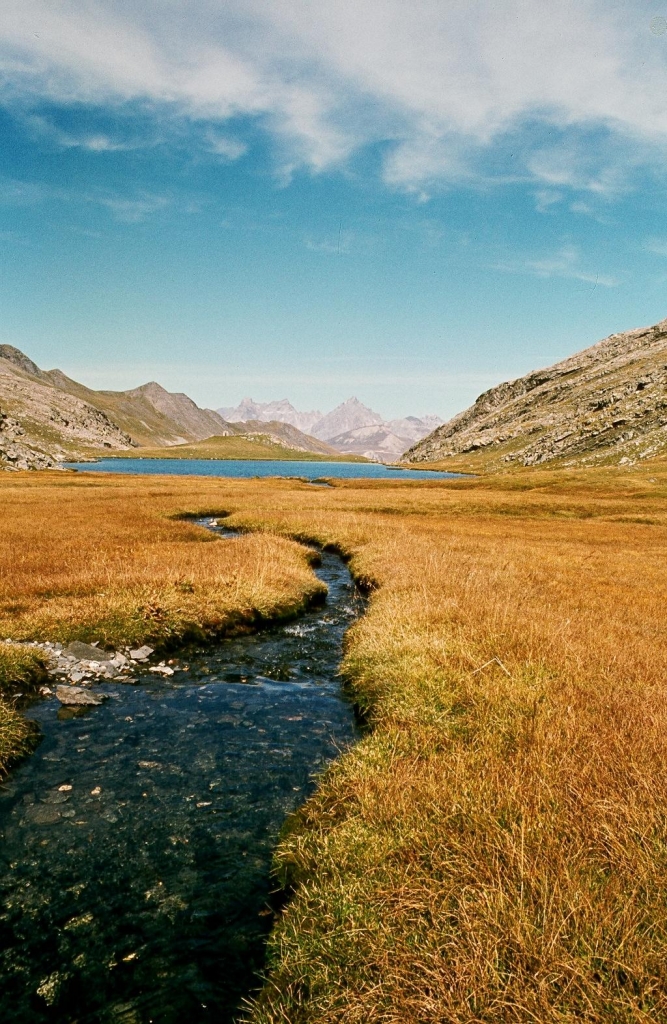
point(21, 669)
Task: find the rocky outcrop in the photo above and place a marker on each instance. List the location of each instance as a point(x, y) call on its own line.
point(605, 404)
point(15, 453)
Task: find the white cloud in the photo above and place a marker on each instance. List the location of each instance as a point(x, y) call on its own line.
point(441, 83)
point(95, 142)
point(545, 199)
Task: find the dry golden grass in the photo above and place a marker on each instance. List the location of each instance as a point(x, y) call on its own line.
point(85, 559)
point(495, 849)
point(82, 558)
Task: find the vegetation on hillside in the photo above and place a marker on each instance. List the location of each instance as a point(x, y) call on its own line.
point(495, 848)
point(239, 447)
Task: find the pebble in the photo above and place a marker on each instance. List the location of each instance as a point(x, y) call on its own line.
point(141, 653)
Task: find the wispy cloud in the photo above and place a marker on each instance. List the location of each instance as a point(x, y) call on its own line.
point(657, 246)
point(565, 263)
point(339, 244)
point(441, 85)
point(95, 142)
point(22, 193)
point(546, 199)
point(221, 145)
point(129, 209)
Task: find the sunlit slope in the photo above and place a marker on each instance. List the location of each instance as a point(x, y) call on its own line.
point(607, 404)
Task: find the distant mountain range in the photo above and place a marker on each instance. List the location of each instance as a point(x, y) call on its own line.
point(606, 404)
point(46, 417)
point(282, 412)
point(351, 428)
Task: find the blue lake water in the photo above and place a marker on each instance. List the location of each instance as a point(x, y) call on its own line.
point(255, 468)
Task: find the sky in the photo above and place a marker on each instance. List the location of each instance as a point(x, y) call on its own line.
point(406, 202)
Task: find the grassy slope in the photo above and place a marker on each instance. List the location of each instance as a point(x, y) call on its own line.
point(233, 448)
point(495, 849)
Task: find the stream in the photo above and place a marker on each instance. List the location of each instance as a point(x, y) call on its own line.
point(136, 842)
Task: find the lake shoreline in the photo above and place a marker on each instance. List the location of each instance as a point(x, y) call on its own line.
point(308, 469)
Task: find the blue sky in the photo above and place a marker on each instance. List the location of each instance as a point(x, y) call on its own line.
point(405, 202)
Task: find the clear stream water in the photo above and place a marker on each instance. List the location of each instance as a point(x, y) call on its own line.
point(256, 467)
point(136, 842)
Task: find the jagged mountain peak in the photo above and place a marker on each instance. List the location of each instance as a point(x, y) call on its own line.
point(281, 410)
point(349, 415)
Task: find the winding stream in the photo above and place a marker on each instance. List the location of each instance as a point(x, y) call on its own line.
point(136, 843)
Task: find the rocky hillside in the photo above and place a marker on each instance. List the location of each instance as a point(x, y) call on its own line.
point(15, 453)
point(607, 404)
point(40, 423)
point(150, 415)
point(384, 441)
point(375, 441)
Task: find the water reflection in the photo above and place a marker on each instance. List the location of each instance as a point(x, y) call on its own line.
point(136, 842)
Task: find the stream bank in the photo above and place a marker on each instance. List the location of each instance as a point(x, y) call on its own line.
point(137, 840)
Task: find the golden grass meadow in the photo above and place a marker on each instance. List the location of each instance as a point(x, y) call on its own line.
point(495, 847)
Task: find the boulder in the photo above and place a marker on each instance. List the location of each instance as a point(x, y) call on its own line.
point(71, 695)
point(82, 651)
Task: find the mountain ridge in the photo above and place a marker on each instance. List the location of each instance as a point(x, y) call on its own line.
point(281, 410)
point(41, 424)
point(46, 418)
